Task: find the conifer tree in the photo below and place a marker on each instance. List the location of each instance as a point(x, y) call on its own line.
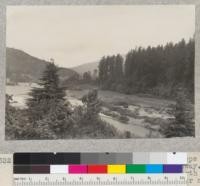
point(47, 94)
point(184, 115)
point(93, 105)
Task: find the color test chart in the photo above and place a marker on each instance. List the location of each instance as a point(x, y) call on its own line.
point(98, 169)
point(106, 169)
point(99, 163)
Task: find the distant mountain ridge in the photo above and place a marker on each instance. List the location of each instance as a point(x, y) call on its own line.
point(86, 67)
point(22, 67)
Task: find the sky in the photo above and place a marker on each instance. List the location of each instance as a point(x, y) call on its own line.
point(74, 35)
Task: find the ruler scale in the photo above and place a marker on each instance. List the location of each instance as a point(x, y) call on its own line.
point(99, 179)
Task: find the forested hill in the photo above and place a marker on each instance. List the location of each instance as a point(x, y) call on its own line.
point(22, 67)
point(160, 70)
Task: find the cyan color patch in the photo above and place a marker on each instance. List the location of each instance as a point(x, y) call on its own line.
point(154, 168)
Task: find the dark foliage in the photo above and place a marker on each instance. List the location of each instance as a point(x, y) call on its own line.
point(87, 77)
point(183, 124)
point(92, 105)
point(153, 70)
point(111, 72)
point(47, 95)
point(17, 125)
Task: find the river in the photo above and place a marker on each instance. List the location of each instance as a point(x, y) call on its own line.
point(135, 126)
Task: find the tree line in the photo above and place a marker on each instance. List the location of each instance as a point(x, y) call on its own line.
point(157, 70)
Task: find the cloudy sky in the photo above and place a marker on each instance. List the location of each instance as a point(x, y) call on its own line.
point(74, 35)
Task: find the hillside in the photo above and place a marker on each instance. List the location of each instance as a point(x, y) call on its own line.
point(86, 67)
point(22, 67)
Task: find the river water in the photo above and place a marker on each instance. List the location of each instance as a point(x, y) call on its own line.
point(135, 126)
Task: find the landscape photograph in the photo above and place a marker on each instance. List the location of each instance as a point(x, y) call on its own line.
point(100, 72)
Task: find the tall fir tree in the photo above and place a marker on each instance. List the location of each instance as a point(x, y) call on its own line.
point(48, 93)
point(118, 68)
point(103, 72)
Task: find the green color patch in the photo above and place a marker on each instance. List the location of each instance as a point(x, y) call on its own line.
point(137, 168)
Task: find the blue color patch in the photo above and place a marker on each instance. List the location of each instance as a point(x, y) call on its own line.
point(154, 168)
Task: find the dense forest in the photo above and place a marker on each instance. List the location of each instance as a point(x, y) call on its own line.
point(159, 71)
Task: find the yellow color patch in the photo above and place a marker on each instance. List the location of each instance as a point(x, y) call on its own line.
point(116, 169)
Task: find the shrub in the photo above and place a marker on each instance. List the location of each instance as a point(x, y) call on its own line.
point(183, 125)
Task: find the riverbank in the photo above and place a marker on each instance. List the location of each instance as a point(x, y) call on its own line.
point(135, 116)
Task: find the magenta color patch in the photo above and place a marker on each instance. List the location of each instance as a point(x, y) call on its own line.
point(77, 169)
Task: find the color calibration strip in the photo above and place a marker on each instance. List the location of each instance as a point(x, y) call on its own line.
point(97, 169)
point(99, 163)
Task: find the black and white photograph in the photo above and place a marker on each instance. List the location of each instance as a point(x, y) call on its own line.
point(99, 72)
